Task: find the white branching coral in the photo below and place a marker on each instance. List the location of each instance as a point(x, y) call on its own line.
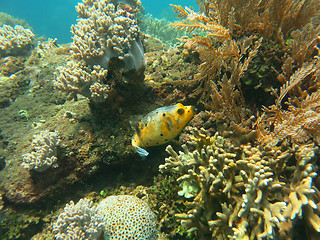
point(256, 199)
point(76, 78)
point(43, 153)
point(79, 221)
point(15, 41)
point(106, 32)
point(115, 217)
point(107, 29)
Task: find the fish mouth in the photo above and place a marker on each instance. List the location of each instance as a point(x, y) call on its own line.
point(194, 109)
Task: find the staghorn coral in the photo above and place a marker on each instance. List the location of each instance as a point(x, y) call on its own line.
point(243, 192)
point(43, 152)
point(107, 41)
point(15, 40)
point(115, 217)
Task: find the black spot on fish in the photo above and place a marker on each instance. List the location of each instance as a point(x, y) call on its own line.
point(180, 111)
point(149, 140)
point(138, 131)
point(169, 123)
point(161, 134)
point(166, 139)
point(163, 114)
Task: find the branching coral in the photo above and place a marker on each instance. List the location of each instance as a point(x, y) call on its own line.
point(107, 41)
point(15, 40)
point(243, 191)
point(107, 30)
point(230, 44)
point(115, 217)
point(223, 62)
point(301, 120)
point(76, 78)
point(43, 154)
point(271, 19)
point(79, 221)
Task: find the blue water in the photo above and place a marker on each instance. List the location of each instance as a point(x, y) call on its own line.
point(162, 9)
point(52, 19)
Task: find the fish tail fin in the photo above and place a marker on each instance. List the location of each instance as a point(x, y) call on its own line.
point(142, 152)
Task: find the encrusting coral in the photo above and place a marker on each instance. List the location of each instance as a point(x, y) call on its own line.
point(43, 152)
point(15, 40)
point(107, 38)
point(115, 217)
point(244, 192)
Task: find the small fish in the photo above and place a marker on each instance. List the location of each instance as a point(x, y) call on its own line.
point(161, 126)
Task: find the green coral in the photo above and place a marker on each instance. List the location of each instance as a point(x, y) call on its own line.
point(159, 28)
point(12, 21)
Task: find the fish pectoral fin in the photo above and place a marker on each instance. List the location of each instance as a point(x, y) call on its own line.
point(142, 152)
point(169, 123)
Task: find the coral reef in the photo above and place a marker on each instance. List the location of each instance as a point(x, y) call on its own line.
point(43, 152)
point(128, 217)
point(107, 38)
point(228, 44)
point(255, 179)
point(15, 40)
point(159, 28)
point(230, 58)
point(244, 192)
point(107, 30)
point(79, 221)
point(12, 21)
point(76, 78)
point(254, 17)
point(115, 217)
point(299, 121)
point(164, 66)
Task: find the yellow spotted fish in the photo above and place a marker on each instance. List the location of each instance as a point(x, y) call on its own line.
point(161, 126)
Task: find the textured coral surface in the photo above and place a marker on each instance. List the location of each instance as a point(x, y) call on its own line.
point(245, 167)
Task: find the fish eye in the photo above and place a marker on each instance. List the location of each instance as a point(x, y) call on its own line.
point(180, 111)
